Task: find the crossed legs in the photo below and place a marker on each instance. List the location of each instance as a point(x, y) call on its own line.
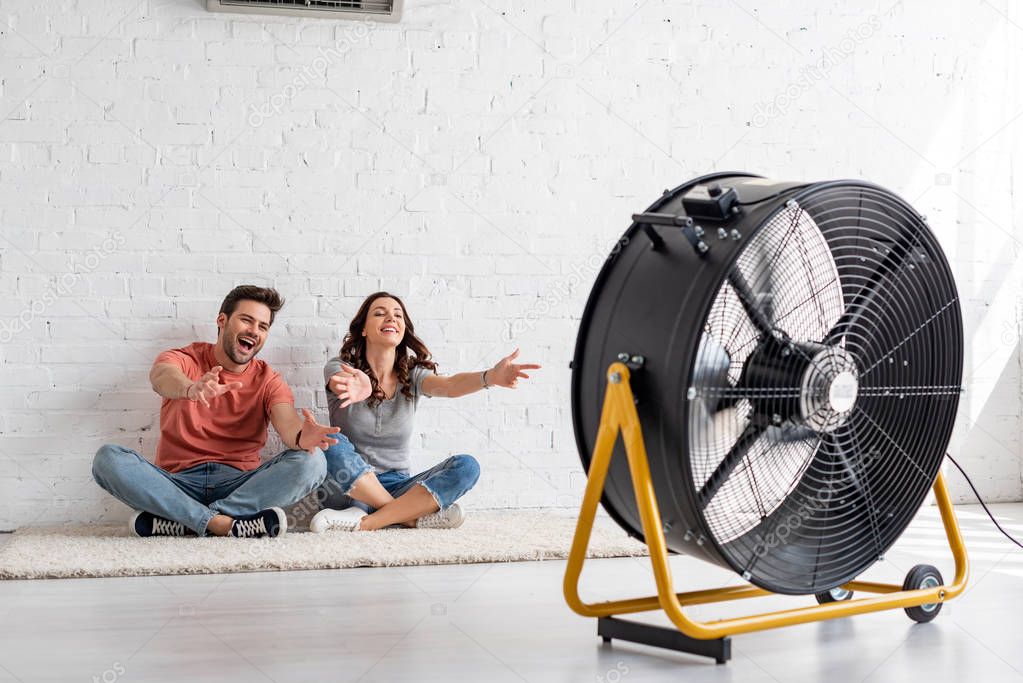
point(394, 497)
point(206, 498)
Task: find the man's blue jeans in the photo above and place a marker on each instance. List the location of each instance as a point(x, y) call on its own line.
point(446, 482)
point(194, 496)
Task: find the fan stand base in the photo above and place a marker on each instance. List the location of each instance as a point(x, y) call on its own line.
point(710, 639)
point(658, 636)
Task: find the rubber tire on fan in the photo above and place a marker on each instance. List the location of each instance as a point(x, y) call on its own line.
point(923, 576)
point(828, 596)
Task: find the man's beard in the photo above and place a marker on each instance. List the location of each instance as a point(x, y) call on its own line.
point(230, 347)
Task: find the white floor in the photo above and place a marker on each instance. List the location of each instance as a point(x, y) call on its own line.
point(494, 622)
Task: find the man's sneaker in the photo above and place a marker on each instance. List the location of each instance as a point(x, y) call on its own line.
point(271, 523)
point(336, 520)
point(146, 524)
point(451, 518)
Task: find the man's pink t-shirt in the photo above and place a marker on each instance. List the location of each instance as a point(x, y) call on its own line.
point(232, 430)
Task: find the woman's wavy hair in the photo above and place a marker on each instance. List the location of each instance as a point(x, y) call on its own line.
point(411, 352)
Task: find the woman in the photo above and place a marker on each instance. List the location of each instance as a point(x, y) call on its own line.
point(371, 465)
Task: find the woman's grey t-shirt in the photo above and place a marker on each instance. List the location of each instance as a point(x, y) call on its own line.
point(380, 434)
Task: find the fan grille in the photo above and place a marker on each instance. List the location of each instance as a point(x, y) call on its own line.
point(789, 264)
point(824, 387)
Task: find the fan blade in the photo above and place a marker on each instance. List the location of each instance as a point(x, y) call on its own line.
point(844, 458)
point(857, 477)
point(760, 266)
point(880, 279)
point(790, 277)
point(755, 284)
point(724, 469)
point(791, 432)
point(749, 302)
point(725, 426)
point(718, 418)
point(712, 363)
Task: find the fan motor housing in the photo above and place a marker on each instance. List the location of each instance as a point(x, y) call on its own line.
point(791, 441)
point(826, 377)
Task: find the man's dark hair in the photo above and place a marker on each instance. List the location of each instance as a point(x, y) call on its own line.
point(263, 295)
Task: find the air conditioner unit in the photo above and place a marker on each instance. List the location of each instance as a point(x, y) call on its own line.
point(373, 10)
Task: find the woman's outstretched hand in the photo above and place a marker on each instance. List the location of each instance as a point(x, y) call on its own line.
point(507, 372)
point(350, 385)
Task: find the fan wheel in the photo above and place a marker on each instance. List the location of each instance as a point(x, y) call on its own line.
point(838, 594)
point(923, 576)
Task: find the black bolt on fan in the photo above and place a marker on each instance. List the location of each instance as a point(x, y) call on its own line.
point(794, 357)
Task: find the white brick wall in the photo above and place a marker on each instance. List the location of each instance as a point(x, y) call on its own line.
point(472, 157)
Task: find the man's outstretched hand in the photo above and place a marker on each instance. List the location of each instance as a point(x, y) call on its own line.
point(350, 385)
point(314, 435)
point(208, 387)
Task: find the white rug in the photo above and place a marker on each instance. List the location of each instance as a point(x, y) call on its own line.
point(486, 536)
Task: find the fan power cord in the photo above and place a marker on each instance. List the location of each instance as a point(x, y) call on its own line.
point(981, 500)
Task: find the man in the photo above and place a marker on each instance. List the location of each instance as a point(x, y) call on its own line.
point(217, 399)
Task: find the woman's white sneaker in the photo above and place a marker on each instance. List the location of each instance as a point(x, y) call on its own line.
point(336, 520)
point(451, 518)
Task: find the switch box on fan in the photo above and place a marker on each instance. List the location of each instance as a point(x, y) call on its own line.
point(711, 202)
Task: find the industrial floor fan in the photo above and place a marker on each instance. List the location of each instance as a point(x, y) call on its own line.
point(783, 362)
